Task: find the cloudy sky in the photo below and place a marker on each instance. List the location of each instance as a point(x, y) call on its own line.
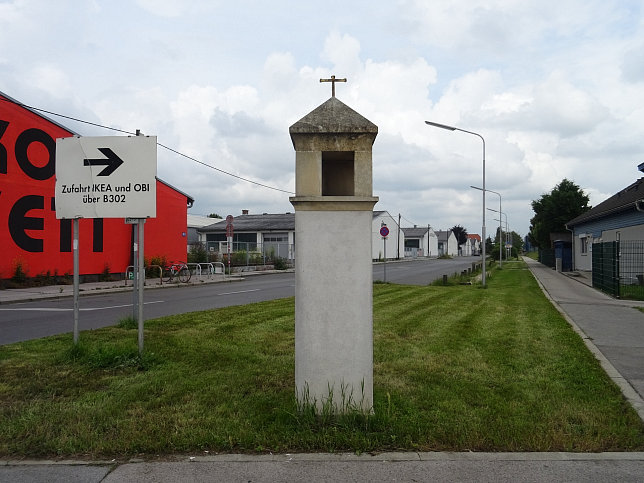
point(556, 88)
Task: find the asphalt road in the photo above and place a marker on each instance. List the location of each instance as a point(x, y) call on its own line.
point(33, 320)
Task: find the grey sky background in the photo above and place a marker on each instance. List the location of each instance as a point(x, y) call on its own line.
point(555, 87)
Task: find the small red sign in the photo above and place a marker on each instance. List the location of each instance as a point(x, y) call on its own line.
point(384, 231)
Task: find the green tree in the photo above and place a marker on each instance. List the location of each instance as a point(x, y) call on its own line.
point(553, 210)
point(460, 233)
point(214, 215)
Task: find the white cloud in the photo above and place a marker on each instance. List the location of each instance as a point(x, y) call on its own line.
point(554, 88)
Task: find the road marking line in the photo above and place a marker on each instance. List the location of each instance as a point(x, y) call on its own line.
point(240, 291)
point(55, 309)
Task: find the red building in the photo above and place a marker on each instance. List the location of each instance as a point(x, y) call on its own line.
point(30, 234)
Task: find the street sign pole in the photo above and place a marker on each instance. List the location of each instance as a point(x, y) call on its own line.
point(135, 272)
point(384, 249)
point(384, 233)
point(141, 279)
point(75, 224)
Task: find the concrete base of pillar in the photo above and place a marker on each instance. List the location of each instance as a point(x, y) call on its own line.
point(334, 310)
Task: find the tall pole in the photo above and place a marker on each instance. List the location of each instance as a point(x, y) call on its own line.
point(75, 225)
point(452, 128)
point(500, 225)
point(398, 243)
point(141, 280)
point(506, 225)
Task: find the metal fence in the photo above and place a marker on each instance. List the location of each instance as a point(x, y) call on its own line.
point(618, 268)
point(248, 254)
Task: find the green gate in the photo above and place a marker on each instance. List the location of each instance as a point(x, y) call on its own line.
point(606, 267)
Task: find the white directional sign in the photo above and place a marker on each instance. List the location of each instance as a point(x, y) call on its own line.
point(106, 177)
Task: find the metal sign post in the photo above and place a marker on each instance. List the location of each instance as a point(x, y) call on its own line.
point(135, 271)
point(384, 232)
point(141, 282)
point(75, 224)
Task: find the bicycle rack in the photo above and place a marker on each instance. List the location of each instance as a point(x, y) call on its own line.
point(208, 267)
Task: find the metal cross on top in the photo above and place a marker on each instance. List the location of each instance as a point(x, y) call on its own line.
point(333, 80)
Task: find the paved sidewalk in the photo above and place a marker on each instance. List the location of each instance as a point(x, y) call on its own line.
point(314, 468)
point(612, 329)
point(15, 295)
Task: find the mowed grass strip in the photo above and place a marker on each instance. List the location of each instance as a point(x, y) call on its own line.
point(456, 368)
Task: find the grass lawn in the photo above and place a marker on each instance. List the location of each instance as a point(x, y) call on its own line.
point(456, 368)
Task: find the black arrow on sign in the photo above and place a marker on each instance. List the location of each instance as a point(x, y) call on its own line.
point(112, 162)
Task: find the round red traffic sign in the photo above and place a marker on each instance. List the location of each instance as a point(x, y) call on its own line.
point(384, 231)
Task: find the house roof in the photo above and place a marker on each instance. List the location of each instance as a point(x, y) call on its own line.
point(474, 236)
point(198, 221)
point(415, 232)
point(621, 201)
point(333, 116)
point(264, 222)
point(443, 235)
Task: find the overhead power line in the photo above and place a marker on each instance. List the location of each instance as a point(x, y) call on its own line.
point(247, 180)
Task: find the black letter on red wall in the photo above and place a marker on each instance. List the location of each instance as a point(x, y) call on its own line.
point(3, 150)
point(97, 245)
point(34, 135)
point(19, 222)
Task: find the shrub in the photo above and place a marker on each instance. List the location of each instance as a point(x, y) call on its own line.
point(105, 275)
point(152, 271)
point(19, 272)
point(197, 253)
point(280, 263)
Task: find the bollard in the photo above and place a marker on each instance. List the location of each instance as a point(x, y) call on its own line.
point(444, 279)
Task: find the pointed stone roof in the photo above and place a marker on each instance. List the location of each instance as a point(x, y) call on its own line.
point(333, 117)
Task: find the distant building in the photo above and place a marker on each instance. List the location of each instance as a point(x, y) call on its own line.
point(474, 241)
point(395, 240)
point(447, 243)
point(268, 232)
point(420, 242)
point(620, 217)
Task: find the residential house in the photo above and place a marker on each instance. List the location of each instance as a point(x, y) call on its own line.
point(395, 241)
point(420, 242)
point(620, 217)
point(447, 243)
point(475, 244)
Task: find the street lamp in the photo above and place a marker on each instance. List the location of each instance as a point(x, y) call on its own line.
point(500, 226)
point(506, 227)
point(452, 128)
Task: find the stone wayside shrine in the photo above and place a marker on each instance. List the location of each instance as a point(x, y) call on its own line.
point(333, 276)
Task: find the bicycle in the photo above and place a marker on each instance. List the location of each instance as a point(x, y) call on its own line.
point(176, 269)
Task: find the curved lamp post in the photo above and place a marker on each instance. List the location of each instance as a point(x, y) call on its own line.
point(506, 228)
point(483, 237)
point(500, 225)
